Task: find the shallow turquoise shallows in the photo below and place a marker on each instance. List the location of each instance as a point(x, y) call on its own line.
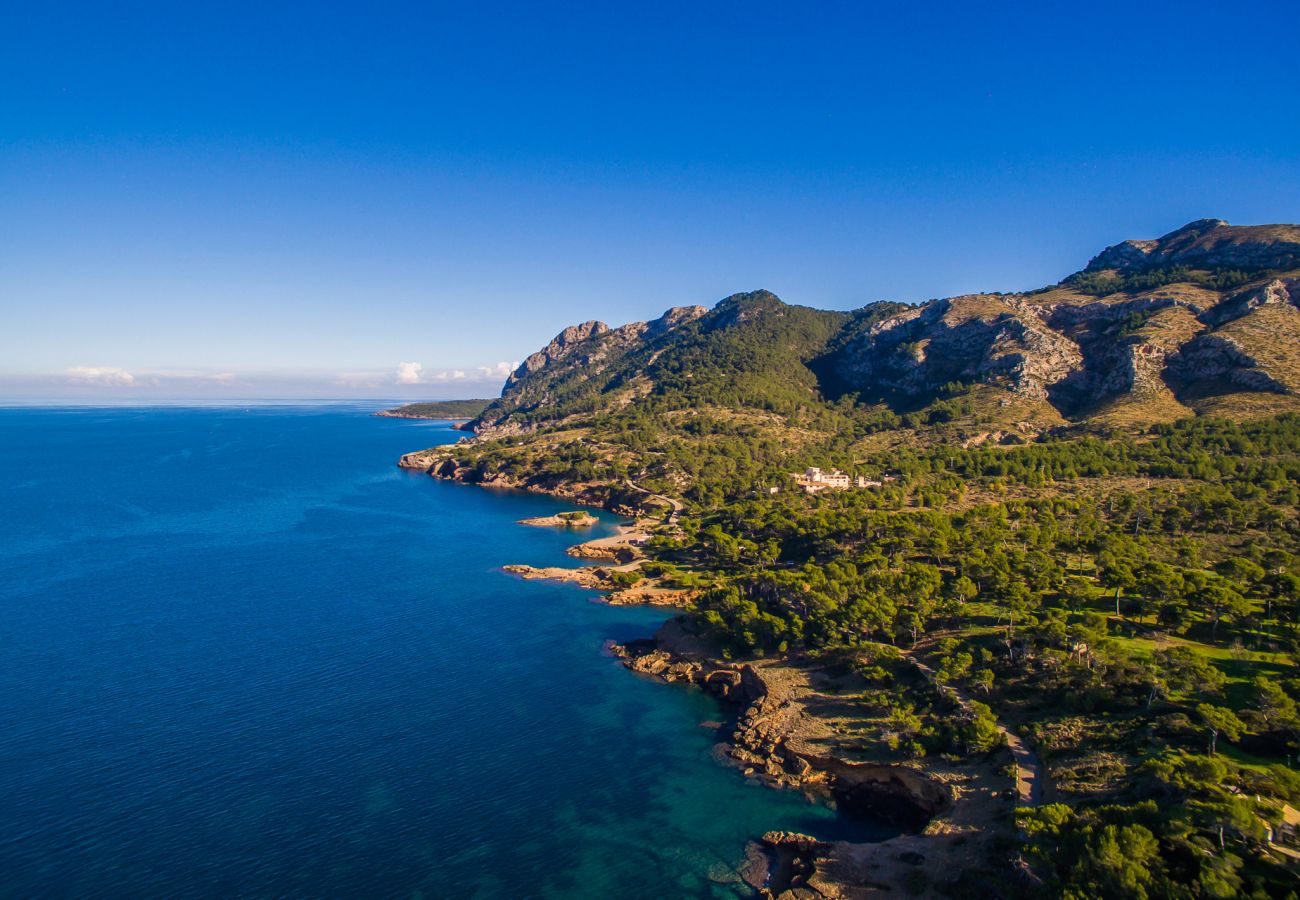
point(243, 654)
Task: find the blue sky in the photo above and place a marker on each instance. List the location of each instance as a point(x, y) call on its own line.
point(397, 199)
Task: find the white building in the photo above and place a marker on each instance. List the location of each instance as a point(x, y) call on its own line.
point(814, 479)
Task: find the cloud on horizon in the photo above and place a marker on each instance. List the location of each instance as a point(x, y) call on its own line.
point(109, 376)
point(408, 372)
point(500, 370)
point(407, 381)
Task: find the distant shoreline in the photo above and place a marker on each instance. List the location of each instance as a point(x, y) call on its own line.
point(451, 410)
point(392, 414)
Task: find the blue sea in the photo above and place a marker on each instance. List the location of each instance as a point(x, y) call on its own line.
point(242, 654)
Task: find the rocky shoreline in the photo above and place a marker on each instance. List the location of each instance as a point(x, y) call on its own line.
point(622, 500)
point(562, 520)
point(458, 423)
point(948, 814)
point(767, 744)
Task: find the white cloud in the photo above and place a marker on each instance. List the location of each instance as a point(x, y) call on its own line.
point(500, 370)
point(409, 373)
point(105, 375)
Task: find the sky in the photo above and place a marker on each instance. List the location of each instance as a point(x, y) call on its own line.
point(403, 200)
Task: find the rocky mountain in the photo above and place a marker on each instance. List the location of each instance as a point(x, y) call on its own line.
point(1208, 243)
point(749, 350)
point(1205, 320)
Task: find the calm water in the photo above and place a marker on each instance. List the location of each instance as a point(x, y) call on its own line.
point(242, 653)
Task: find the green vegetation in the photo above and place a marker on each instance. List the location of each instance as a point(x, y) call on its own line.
point(1125, 599)
point(441, 409)
point(1129, 602)
point(1110, 281)
point(1143, 635)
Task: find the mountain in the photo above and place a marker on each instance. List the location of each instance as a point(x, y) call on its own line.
point(1205, 320)
point(751, 350)
point(1026, 580)
point(1208, 243)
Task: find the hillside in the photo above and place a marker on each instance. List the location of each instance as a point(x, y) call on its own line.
point(1049, 617)
point(1137, 337)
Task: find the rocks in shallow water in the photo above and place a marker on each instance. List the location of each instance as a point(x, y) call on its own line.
point(791, 839)
point(595, 578)
point(722, 682)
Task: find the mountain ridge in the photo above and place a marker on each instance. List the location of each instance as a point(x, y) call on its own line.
point(1184, 341)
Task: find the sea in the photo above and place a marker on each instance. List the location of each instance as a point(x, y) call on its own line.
point(242, 654)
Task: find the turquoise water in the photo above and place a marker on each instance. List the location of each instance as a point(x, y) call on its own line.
point(242, 654)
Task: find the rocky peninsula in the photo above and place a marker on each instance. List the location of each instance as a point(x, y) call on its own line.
point(576, 519)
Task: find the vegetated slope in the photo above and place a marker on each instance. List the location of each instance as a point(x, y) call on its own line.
point(751, 350)
point(438, 409)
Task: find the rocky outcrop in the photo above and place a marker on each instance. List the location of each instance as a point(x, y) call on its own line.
point(1208, 243)
point(588, 577)
point(1215, 363)
point(561, 347)
point(787, 863)
point(578, 519)
point(1279, 291)
point(620, 499)
point(607, 550)
point(971, 339)
point(763, 745)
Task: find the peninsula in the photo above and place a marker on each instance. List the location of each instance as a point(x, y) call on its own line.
point(438, 409)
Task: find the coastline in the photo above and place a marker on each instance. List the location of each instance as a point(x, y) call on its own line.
point(949, 814)
point(622, 500)
point(457, 422)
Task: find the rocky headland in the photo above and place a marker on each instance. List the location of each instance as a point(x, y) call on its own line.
point(577, 519)
point(787, 735)
point(442, 463)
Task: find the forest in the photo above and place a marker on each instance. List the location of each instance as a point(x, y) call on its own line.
point(1129, 601)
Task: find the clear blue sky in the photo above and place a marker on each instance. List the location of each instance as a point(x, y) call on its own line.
point(270, 199)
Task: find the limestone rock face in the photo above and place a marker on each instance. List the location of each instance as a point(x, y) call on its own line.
point(977, 338)
point(561, 346)
point(1215, 358)
point(573, 357)
point(1279, 291)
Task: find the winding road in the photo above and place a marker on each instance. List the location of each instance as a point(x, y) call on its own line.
point(676, 505)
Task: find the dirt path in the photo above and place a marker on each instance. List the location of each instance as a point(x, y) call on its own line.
point(675, 504)
point(1029, 769)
